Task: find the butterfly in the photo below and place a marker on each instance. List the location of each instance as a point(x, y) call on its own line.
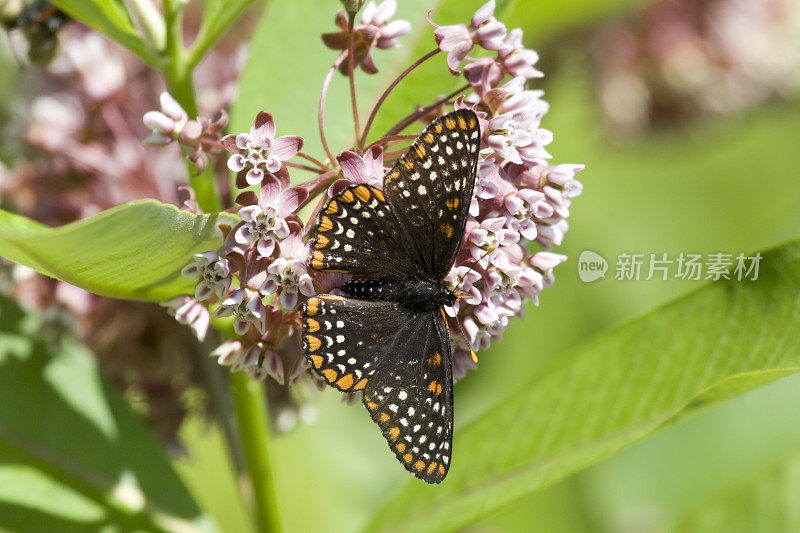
point(387, 336)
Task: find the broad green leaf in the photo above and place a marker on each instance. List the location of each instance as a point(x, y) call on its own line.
point(73, 457)
point(134, 251)
point(111, 18)
point(718, 342)
point(768, 503)
point(218, 15)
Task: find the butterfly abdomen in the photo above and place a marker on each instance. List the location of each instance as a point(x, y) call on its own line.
point(417, 295)
point(372, 289)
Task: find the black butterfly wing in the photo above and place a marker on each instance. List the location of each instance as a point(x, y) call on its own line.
point(402, 362)
point(356, 233)
point(343, 338)
point(429, 189)
point(410, 396)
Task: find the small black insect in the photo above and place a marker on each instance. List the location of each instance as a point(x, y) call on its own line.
point(388, 337)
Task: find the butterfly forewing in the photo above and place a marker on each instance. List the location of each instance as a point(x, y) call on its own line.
point(410, 397)
point(356, 233)
point(430, 188)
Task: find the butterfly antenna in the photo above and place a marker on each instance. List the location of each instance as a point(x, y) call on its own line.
point(481, 258)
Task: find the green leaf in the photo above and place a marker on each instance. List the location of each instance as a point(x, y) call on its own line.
point(134, 251)
point(73, 457)
point(718, 342)
point(768, 503)
point(111, 18)
point(217, 17)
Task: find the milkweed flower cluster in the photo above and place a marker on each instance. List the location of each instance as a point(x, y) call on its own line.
point(261, 274)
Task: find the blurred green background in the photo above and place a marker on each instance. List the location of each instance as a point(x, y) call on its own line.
point(723, 182)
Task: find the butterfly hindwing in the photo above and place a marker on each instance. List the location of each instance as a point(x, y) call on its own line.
point(343, 338)
point(410, 397)
point(430, 187)
point(356, 233)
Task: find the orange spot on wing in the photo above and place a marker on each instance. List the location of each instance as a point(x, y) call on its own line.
point(408, 164)
point(450, 123)
point(428, 138)
point(318, 260)
point(393, 175)
point(361, 384)
point(401, 447)
point(332, 207)
point(312, 325)
point(407, 457)
point(451, 204)
point(330, 374)
point(378, 194)
point(462, 123)
point(322, 241)
point(331, 297)
point(447, 229)
point(438, 127)
point(313, 342)
point(435, 359)
point(431, 468)
point(435, 386)
point(384, 417)
point(371, 405)
point(362, 193)
point(394, 433)
point(441, 470)
point(472, 122)
point(312, 306)
point(325, 224)
point(419, 465)
point(345, 382)
point(316, 360)
point(347, 196)
point(420, 151)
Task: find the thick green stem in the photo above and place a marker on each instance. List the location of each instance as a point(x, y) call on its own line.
point(252, 417)
point(178, 75)
point(248, 396)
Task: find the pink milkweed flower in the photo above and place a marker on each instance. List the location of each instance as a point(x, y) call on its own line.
point(167, 123)
point(487, 240)
point(288, 273)
point(516, 59)
point(248, 310)
point(516, 134)
point(375, 31)
point(269, 220)
point(260, 152)
point(189, 312)
point(525, 207)
point(458, 39)
point(462, 280)
point(545, 262)
point(228, 353)
point(357, 169)
point(213, 273)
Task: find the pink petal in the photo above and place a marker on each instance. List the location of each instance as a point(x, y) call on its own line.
point(236, 163)
point(457, 55)
point(263, 128)
point(269, 193)
point(286, 146)
point(353, 167)
point(172, 108)
point(484, 13)
point(290, 199)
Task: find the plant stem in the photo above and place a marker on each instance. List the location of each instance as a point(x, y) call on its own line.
point(351, 62)
point(389, 89)
point(178, 75)
point(248, 396)
point(321, 110)
point(404, 123)
point(251, 417)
